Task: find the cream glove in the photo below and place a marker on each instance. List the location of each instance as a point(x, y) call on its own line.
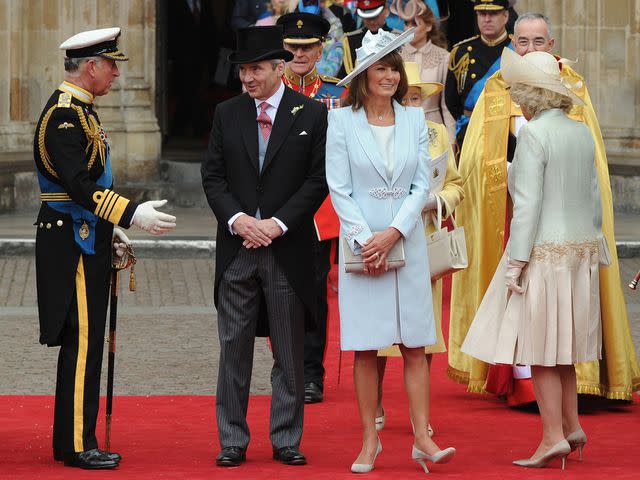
point(512, 275)
point(150, 220)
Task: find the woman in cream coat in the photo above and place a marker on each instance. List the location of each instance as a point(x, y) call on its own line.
point(378, 181)
point(542, 307)
point(451, 195)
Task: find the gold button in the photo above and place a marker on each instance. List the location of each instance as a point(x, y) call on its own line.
point(41, 225)
point(59, 223)
point(473, 75)
point(473, 60)
point(469, 48)
point(48, 225)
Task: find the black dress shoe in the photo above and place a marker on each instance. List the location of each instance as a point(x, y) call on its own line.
point(58, 456)
point(91, 460)
point(289, 456)
point(231, 457)
point(312, 393)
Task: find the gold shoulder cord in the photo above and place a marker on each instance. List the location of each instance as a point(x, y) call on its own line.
point(92, 133)
point(459, 68)
point(348, 61)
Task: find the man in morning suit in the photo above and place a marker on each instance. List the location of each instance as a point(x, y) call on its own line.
point(74, 239)
point(264, 178)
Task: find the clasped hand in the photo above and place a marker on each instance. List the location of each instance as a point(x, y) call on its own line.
point(376, 249)
point(256, 233)
point(512, 275)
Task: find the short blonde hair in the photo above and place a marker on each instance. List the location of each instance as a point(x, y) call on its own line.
point(536, 99)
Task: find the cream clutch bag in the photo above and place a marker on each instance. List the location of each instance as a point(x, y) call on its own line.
point(354, 264)
point(447, 250)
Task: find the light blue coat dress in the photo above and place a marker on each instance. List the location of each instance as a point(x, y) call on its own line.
point(396, 307)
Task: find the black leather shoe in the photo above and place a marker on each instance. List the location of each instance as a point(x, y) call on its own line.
point(58, 456)
point(90, 460)
point(231, 457)
point(289, 456)
point(312, 393)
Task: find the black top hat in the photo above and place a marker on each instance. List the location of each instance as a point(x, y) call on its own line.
point(491, 5)
point(302, 28)
point(259, 43)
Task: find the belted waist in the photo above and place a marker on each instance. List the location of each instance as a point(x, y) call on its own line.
point(383, 192)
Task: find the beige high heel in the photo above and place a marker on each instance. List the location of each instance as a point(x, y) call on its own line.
point(577, 440)
point(365, 467)
point(443, 456)
point(560, 449)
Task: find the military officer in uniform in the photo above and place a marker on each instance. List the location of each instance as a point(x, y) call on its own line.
point(474, 60)
point(303, 34)
point(75, 238)
point(374, 15)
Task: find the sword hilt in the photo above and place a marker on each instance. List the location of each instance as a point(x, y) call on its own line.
point(634, 283)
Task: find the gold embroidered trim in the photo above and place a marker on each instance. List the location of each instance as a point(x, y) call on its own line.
point(44, 155)
point(554, 252)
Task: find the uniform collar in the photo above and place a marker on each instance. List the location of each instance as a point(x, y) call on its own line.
point(297, 80)
point(76, 92)
point(497, 41)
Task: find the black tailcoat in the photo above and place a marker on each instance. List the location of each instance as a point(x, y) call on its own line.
point(290, 187)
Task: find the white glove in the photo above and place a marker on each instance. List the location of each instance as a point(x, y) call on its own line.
point(512, 275)
point(120, 241)
point(432, 203)
point(150, 220)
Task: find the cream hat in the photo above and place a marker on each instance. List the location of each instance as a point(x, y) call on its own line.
point(413, 77)
point(374, 47)
point(537, 69)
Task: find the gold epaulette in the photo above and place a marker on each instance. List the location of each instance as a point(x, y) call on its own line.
point(329, 78)
point(64, 100)
point(464, 41)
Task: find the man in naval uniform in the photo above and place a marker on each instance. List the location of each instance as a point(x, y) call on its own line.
point(75, 238)
point(303, 35)
point(374, 15)
point(474, 60)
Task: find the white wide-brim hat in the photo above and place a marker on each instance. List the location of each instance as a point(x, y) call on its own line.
point(374, 47)
point(537, 69)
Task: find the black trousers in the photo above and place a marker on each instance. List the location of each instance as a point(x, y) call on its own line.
point(315, 340)
point(253, 273)
point(80, 359)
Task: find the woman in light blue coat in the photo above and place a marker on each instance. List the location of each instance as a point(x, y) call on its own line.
point(377, 176)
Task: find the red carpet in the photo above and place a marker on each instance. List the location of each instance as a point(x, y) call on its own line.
point(175, 437)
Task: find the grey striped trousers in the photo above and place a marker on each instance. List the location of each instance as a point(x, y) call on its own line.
point(252, 273)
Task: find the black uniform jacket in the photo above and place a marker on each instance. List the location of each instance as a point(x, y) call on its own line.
point(70, 150)
point(290, 187)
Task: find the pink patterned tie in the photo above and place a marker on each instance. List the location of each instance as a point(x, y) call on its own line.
point(264, 121)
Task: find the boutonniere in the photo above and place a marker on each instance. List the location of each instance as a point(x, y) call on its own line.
point(294, 110)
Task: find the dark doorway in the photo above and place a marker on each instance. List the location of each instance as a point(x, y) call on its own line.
point(193, 40)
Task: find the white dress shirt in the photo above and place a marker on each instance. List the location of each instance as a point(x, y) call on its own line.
point(274, 102)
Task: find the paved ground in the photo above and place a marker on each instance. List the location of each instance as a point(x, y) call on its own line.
point(167, 332)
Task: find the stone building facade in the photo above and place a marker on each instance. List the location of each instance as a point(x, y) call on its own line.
point(604, 35)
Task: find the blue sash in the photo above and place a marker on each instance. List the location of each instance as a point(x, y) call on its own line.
point(79, 214)
point(474, 93)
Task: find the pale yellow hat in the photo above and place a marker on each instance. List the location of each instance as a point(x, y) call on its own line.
point(413, 77)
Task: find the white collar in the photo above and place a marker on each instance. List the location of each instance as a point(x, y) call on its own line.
point(273, 100)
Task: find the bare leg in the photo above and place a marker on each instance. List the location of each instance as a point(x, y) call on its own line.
point(548, 389)
point(365, 379)
point(416, 382)
point(382, 365)
point(570, 420)
point(429, 360)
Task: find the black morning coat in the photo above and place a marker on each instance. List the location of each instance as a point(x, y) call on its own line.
point(291, 186)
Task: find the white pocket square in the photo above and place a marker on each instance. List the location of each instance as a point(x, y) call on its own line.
point(302, 133)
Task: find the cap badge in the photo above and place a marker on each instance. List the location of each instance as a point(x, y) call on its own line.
point(366, 3)
point(299, 24)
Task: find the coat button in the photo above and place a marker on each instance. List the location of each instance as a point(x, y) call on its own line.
point(473, 75)
point(59, 223)
point(472, 61)
point(48, 226)
point(41, 225)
